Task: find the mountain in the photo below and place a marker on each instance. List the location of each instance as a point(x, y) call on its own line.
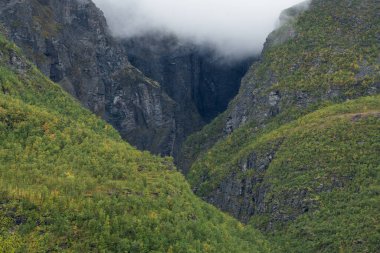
point(296, 152)
point(69, 183)
point(70, 42)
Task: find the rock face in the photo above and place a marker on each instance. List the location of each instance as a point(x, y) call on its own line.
point(69, 42)
point(243, 197)
point(201, 84)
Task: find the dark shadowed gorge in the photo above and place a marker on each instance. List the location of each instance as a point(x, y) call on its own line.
point(199, 82)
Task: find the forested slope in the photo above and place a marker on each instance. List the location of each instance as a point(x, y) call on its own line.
point(312, 184)
point(297, 151)
point(69, 183)
point(328, 53)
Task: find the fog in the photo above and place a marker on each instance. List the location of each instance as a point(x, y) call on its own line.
point(233, 28)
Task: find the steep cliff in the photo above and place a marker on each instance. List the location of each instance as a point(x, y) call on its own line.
point(288, 154)
point(199, 81)
point(69, 41)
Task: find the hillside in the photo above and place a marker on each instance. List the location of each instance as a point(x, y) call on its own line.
point(69, 183)
point(312, 185)
point(296, 152)
point(330, 53)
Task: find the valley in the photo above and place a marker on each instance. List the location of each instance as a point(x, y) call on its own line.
point(155, 144)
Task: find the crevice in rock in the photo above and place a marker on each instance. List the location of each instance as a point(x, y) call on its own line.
point(199, 82)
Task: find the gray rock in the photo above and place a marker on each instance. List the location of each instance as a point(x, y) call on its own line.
point(69, 42)
point(199, 82)
point(242, 193)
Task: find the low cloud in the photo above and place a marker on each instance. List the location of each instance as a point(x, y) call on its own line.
point(233, 28)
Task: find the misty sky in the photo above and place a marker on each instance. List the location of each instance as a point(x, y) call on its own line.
point(235, 28)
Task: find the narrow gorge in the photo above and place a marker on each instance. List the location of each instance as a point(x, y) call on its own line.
point(155, 91)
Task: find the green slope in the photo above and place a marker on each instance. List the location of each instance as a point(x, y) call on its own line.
point(68, 183)
point(314, 179)
point(322, 189)
point(329, 53)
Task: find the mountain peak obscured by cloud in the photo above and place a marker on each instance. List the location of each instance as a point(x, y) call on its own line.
point(234, 28)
